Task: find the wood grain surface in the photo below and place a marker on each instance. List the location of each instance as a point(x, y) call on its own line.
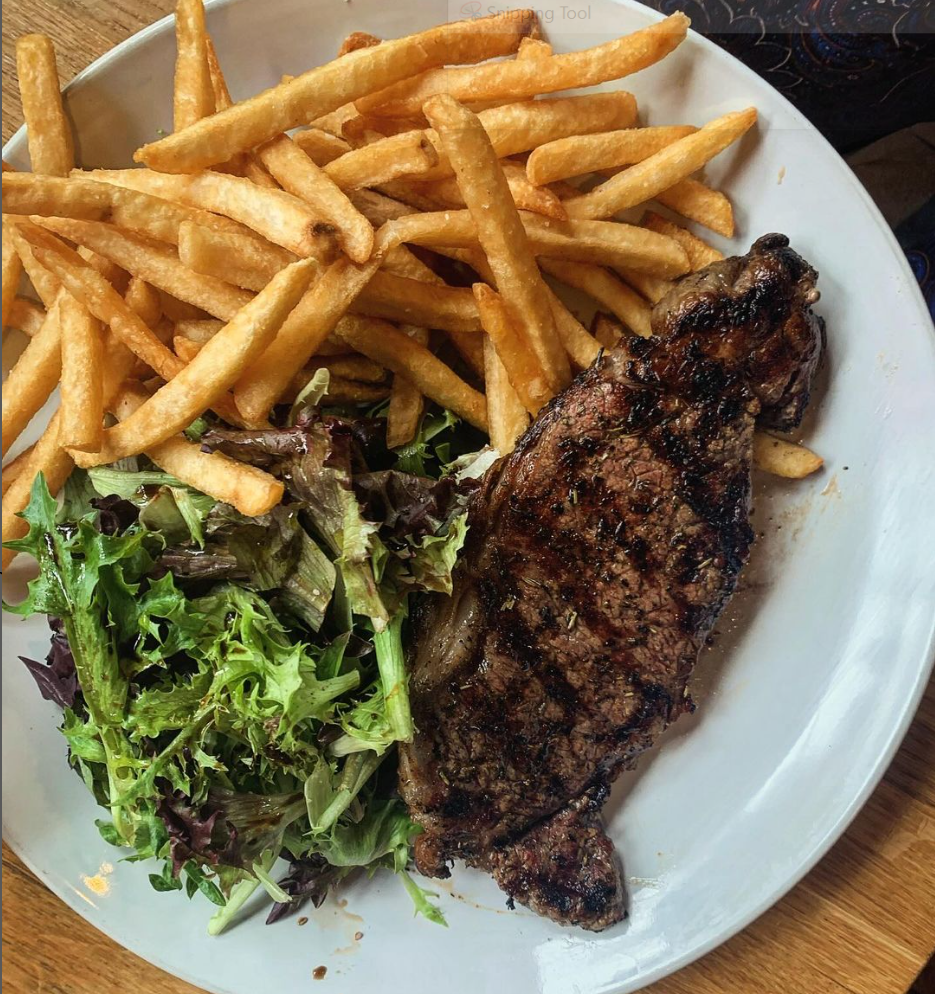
point(863, 922)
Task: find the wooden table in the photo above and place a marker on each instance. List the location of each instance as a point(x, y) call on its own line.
point(863, 922)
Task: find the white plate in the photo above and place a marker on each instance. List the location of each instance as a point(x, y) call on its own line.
point(819, 667)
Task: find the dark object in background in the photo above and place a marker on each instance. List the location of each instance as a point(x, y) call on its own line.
point(857, 69)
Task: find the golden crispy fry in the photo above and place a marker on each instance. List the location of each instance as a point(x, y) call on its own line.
point(396, 298)
point(282, 218)
point(117, 277)
point(357, 40)
point(652, 176)
point(193, 95)
point(651, 287)
point(254, 171)
point(82, 386)
point(48, 134)
point(222, 95)
point(334, 121)
point(301, 335)
point(500, 232)
point(174, 309)
point(298, 175)
point(523, 367)
point(33, 378)
point(340, 391)
point(580, 345)
point(102, 300)
point(400, 261)
point(398, 352)
point(205, 380)
point(13, 470)
point(378, 208)
point(27, 316)
point(505, 412)
point(252, 122)
point(533, 48)
point(783, 458)
point(526, 196)
point(700, 203)
point(350, 367)
point(44, 283)
point(385, 160)
point(607, 330)
point(155, 263)
point(581, 154)
point(144, 301)
point(198, 331)
point(321, 146)
point(700, 253)
point(512, 80)
point(185, 348)
point(407, 405)
point(50, 459)
point(606, 289)
point(364, 129)
point(247, 488)
point(12, 274)
point(229, 257)
point(601, 242)
point(519, 127)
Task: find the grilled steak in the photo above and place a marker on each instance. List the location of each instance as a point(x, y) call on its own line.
point(599, 555)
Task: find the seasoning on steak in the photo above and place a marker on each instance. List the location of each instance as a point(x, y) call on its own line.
point(599, 555)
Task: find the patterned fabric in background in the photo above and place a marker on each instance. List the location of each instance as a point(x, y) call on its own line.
point(859, 70)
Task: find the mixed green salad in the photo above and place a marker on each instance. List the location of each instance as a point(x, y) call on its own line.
point(233, 688)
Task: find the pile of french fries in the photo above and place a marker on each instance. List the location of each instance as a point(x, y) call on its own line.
point(245, 254)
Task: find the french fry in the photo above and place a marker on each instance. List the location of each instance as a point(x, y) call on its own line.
point(351, 367)
point(33, 378)
point(144, 301)
point(606, 243)
point(48, 134)
point(524, 125)
point(400, 261)
point(396, 298)
point(298, 175)
point(250, 490)
point(700, 253)
point(411, 153)
point(320, 146)
point(185, 348)
point(784, 458)
point(581, 154)
point(117, 277)
point(278, 216)
point(334, 121)
point(651, 287)
point(522, 365)
point(230, 257)
point(606, 289)
point(193, 94)
point(607, 330)
point(302, 334)
point(205, 380)
point(54, 463)
point(533, 48)
point(340, 391)
point(155, 263)
point(521, 78)
point(44, 283)
point(82, 386)
point(395, 350)
point(579, 344)
point(222, 95)
point(27, 316)
point(364, 129)
point(104, 303)
point(650, 177)
point(505, 412)
point(357, 40)
point(13, 470)
point(174, 309)
point(700, 203)
point(500, 232)
point(198, 331)
point(406, 402)
point(378, 208)
point(318, 91)
point(526, 196)
point(12, 274)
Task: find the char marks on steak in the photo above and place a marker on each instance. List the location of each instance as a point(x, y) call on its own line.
point(599, 555)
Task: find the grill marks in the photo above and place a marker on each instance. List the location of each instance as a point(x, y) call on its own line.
point(599, 555)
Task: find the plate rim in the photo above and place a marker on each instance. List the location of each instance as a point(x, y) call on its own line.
point(820, 848)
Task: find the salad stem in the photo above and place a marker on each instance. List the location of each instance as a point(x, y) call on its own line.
point(391, 663)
